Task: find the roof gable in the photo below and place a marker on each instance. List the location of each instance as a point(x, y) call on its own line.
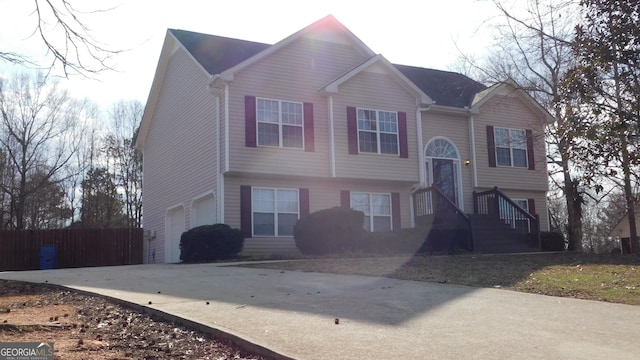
point(327, 28)
point(333, 86)
point(511, 88)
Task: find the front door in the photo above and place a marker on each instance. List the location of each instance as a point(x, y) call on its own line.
point(444, 178)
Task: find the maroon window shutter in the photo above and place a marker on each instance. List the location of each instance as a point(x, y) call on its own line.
point(250, 121)
point(345, 199)
point(491, 146)
point(245, 210)
point(395, 210)
point(304, 202)
point(402, 135)
point(531, 158)
point(532, 206)
point(309, 143)
point(352, 130)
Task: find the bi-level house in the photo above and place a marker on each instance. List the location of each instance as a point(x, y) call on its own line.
point(256, 136)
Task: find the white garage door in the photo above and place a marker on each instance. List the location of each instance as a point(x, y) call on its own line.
point(204, 211)
point(175, 228)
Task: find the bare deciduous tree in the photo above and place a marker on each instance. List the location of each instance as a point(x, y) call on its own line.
point(126, 161)
point(39, 125)
point(533, 47)
point(68, 40)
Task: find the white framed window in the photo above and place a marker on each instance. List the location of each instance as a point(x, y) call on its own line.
point(378, 132)
point(376, 208)
point(274, 211)
point(280, 123)
point(511, 147)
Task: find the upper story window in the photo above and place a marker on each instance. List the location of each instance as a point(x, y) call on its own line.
point(378, 132)
point(280, 123)
point(511, 147)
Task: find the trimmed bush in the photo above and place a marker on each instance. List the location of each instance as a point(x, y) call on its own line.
point(210, 242)
point(551, 241)
point(329, 231)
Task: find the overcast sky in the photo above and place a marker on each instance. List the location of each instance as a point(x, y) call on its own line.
point(412, 32)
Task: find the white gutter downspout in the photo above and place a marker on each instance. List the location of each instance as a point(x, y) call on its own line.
point(332, 149)
point(219, 177)
point(226, 127)
point(421, 158)
point(474, 165)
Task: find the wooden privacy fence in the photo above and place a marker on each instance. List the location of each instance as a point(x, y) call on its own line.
point(21, 250)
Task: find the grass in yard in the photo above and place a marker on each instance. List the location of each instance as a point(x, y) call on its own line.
point(612, 278)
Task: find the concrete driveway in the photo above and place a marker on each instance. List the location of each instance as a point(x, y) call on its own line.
point(293, 314)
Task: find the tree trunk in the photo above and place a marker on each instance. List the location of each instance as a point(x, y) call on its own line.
point(571, 187)
point(630, 199)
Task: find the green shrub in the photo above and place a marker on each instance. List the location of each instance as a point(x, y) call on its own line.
point(210, 242)
point(551, 241)
point(329, 231)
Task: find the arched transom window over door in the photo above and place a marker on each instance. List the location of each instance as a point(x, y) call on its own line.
point(443, 168)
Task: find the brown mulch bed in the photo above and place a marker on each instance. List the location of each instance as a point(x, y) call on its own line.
point(91, 327)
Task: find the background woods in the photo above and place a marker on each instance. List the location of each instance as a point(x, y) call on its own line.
point(60, 165)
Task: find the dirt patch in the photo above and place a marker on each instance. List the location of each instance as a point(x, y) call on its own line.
point(87, 327)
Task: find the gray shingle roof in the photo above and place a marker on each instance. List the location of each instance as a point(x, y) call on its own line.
point(444, 87)
point(217, 54)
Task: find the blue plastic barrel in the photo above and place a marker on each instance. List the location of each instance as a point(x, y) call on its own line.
point(48, 257)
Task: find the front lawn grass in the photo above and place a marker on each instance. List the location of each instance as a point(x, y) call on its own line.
point(612, 278)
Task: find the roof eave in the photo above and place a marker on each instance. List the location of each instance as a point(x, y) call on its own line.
point(219, 80)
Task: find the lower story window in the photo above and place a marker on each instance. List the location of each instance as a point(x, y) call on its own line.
point(274, 211)
point(376, 208)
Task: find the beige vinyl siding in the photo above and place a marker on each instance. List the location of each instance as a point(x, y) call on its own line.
point(180, 151)
point(623, 230)
point(294, 73)
point(454, 128)
point(376, 91)
point(510, 112)
point(540, 198)
point(323, 194)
